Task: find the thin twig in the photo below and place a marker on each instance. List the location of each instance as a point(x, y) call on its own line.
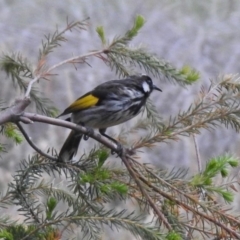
point(199, 162)
point(73, 59)
point(134, 174)
point(184, 205)
point(74, 219)
point(159, 137)
point(31, 211)
point(32, 144)
point(212, 219)
point(69, 60)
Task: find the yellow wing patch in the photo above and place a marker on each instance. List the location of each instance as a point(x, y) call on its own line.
point(84, 102)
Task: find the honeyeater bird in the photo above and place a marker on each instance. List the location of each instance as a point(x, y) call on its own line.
point(107, 105)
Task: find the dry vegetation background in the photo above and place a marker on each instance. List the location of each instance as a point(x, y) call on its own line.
point(203, 34)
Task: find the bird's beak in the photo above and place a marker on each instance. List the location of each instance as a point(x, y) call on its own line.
point(156, 88)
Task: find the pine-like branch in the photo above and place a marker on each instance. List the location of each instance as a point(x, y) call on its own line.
point(20, 71)
point(217, 105)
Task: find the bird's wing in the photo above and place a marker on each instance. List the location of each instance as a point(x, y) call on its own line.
point(85, 101)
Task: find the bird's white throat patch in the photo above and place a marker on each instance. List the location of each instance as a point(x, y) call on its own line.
point(146, 87)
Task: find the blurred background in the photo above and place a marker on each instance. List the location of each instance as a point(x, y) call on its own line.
point(203, 34)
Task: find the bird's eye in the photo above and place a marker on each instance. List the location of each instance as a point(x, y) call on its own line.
point(149, 81)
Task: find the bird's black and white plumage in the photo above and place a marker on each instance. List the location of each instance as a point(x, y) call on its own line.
point(109, 104)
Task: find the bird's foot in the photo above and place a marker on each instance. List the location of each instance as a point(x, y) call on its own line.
point(119, 150)
point(89, 132)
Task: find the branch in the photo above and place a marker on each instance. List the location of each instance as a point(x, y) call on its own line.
point(211, 219)
point(134, 175)
point(13, 112)
point(16, 114)
point(199, 162)
point(32, 144)
point(115, 221)
point(69, 60)
point(62, 123)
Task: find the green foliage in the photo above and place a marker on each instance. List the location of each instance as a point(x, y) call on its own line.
point(95, 176)
point(173, 236)
point(120, 188)
point(117, 187)
point(10, 131)
point(129, 35)
point(15, 64)
point(88, 212)
point(133, 32)
point(6, 235)
point(100, 179)
point(191, 75)
point(213, 107)
point(123, 58)
point(19, 70)
point(218, 165)
point(54, 40)
point(221, 191)
point(51, 205)
point(102, 157)
point(17, 232)
point(101, 34)
point(215, 166)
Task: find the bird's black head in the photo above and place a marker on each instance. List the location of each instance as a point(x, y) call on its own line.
point(147, 84)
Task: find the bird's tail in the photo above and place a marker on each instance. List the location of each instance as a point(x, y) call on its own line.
point(70, 147)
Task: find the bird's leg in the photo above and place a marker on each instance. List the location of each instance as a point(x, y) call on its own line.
point(119, 146)
point(89, 132)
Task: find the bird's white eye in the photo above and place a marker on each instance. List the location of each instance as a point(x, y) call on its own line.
point(146, 87)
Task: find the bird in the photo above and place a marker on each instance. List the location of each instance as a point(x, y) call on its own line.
point(109, 104)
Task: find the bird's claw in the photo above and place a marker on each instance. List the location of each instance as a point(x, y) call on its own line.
point(89, 132)
point(119, 151)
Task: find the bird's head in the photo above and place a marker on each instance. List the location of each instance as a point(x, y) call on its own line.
point(146, 84)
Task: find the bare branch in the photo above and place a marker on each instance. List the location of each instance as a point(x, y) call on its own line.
point(199, 162)
point(69, 60)
point(135, 176)
point(12, 113)
point(62, 123)
point(212, 219)
point(32, 144)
